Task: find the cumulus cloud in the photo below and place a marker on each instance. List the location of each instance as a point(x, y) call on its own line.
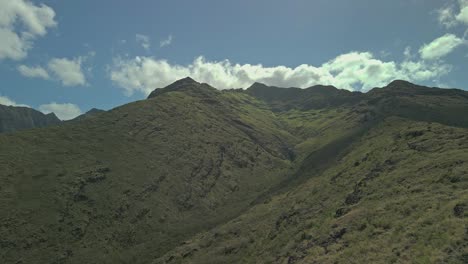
point(9, 102)
point(21, 21)
point(440, 47)
point(144, 41)
point(166, 42)
point(64, 111)
point(33, 72)
point(352, 71)
point(463, 14)
point(454, 14)
point(68, 71)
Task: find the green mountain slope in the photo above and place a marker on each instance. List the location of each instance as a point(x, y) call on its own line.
point(400, 196)
point(90, 114)
point(198, 175)
point(169, 167)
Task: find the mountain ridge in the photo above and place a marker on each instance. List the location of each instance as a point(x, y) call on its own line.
point(13, 118)
point(89, 114)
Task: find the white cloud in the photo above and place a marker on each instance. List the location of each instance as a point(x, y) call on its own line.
point(33, 72)
point(454, 14)
point(9, 102)
point(166, 42)
point(12, 46)
point(6, 101)
point(463, 15)
point(422, 71)
point(352, 71)
point(68, 71)
point(446, 16)
point(440, 47)
point(21, 21)
point(144, 41)
point(65, 111)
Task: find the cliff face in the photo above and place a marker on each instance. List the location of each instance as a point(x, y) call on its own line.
point(14, 118)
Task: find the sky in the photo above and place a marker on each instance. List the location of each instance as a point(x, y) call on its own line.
point(67, 56)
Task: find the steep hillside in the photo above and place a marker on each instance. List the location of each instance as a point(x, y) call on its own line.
point(404, 99)
point(399, 196)
point(14, 118)
point(129, 184)
point(263, 175)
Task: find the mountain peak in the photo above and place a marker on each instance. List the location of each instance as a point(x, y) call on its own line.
point(400, 83)
point(397, 87)
point(184, 84)
point(52, 115)
point(185, 81)
point(257, 85)
point(95, 111)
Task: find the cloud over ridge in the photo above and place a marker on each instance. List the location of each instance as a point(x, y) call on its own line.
point(352, 71)
point(65, 111)
point(4, 100)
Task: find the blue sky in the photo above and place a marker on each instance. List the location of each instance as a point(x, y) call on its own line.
point(69, 56)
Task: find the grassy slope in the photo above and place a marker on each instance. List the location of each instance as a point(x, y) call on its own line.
point(392, 199)
point(129, 184)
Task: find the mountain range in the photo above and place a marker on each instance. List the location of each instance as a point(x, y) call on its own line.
point(193, 174)
point(13, 118)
